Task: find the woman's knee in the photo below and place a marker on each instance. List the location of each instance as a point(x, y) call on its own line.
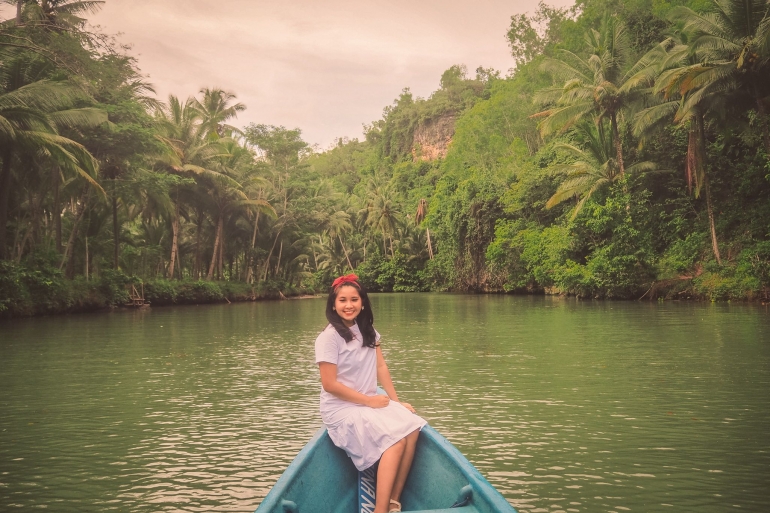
point(398, 446)
point(411, 438)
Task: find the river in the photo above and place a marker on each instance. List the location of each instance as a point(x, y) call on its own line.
point(564, 405)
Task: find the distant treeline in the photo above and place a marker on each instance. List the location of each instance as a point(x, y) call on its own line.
point(626, 156)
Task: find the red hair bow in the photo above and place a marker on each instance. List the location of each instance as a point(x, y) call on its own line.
point(349, 278)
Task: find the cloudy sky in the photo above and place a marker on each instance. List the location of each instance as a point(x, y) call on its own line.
point(324, 66)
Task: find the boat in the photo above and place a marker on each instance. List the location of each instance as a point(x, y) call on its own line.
point(322, 479)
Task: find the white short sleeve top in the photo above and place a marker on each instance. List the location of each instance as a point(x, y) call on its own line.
point(356, 366)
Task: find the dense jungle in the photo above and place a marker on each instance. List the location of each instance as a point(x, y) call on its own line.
point(626, 156)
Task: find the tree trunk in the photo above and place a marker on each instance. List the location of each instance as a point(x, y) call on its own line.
point(179, 264)
point(714, 244)
point(35, 201)
point(216, 249)
point(346, 252)
point(221, 248)
point(15, 245)
point(197, 264)
point(5, 194)
point(280, 254)
point(20, 250)
point(55, 185)
point(701, 128)
point(253, 246)
point(19, 5)
point(267, 262)
point(430, 246)
point(174, 242)
point(315, 256)
point(618, 145)
point(115, 230)
point(86, 269)
point(68, 257)
point(763, 120)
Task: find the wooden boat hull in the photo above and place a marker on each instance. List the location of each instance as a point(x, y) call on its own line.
point(322, 479)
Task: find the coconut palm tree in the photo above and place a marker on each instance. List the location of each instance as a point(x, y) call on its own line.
point(55, 14)
point(592, 87)
point(594, 166)
point(695, 80)
point(419, 216)
point(215, 108)
point(31, 116)
point(229, 196)
point(187, 153)
point(256, 188)
point(380, 212)
point(731, 47)
point(335, 224)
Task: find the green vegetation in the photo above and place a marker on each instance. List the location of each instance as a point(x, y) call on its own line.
point(625, 157)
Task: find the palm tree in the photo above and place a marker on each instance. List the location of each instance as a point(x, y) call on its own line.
point(114, 159)
point(731, 47)
point(594, 166)
point(214, 110)
point(380, 212)
point(689, 85)
point(255, 186)
point(228, 194)
point(56, 14)
point(188, 153)
point(335, 224)
point(592, 87)
point(413, 244)
point(419, 216)
point(31, 116)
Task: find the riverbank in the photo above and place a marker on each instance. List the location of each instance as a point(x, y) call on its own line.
point(26, 292)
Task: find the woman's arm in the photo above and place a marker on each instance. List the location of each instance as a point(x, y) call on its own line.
point(337, 389)
point(383, 376)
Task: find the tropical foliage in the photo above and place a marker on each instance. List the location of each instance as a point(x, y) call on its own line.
point(625, 156)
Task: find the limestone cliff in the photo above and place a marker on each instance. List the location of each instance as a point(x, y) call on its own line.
point(432, 138)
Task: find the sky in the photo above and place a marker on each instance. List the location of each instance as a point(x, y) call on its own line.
point(326, 67)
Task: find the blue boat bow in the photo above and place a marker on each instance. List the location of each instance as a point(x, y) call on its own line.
point(322, 479)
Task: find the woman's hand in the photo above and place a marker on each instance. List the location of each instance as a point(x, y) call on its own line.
point(378, 401)
point(408, 407)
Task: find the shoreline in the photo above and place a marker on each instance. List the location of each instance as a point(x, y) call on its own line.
point(240, 298)
point(25, 293)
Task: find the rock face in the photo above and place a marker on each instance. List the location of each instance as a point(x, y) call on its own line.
point(431, 139)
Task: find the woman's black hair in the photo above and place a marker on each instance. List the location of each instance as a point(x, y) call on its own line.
point(365, 319)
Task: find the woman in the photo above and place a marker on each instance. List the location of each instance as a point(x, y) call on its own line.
point(369, 427)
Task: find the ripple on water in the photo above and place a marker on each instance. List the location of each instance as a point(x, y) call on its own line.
point(562, 405)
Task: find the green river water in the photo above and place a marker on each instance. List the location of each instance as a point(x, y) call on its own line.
point(563, 405)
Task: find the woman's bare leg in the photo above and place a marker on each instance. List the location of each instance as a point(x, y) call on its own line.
point(405, 465)
point(390, 462)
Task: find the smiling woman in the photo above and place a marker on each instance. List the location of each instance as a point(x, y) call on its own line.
point(368, 426)
point(347, 303)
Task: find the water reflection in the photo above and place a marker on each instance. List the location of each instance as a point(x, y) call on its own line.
point(562, 405)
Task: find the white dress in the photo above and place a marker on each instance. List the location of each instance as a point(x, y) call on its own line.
point(363, 432)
